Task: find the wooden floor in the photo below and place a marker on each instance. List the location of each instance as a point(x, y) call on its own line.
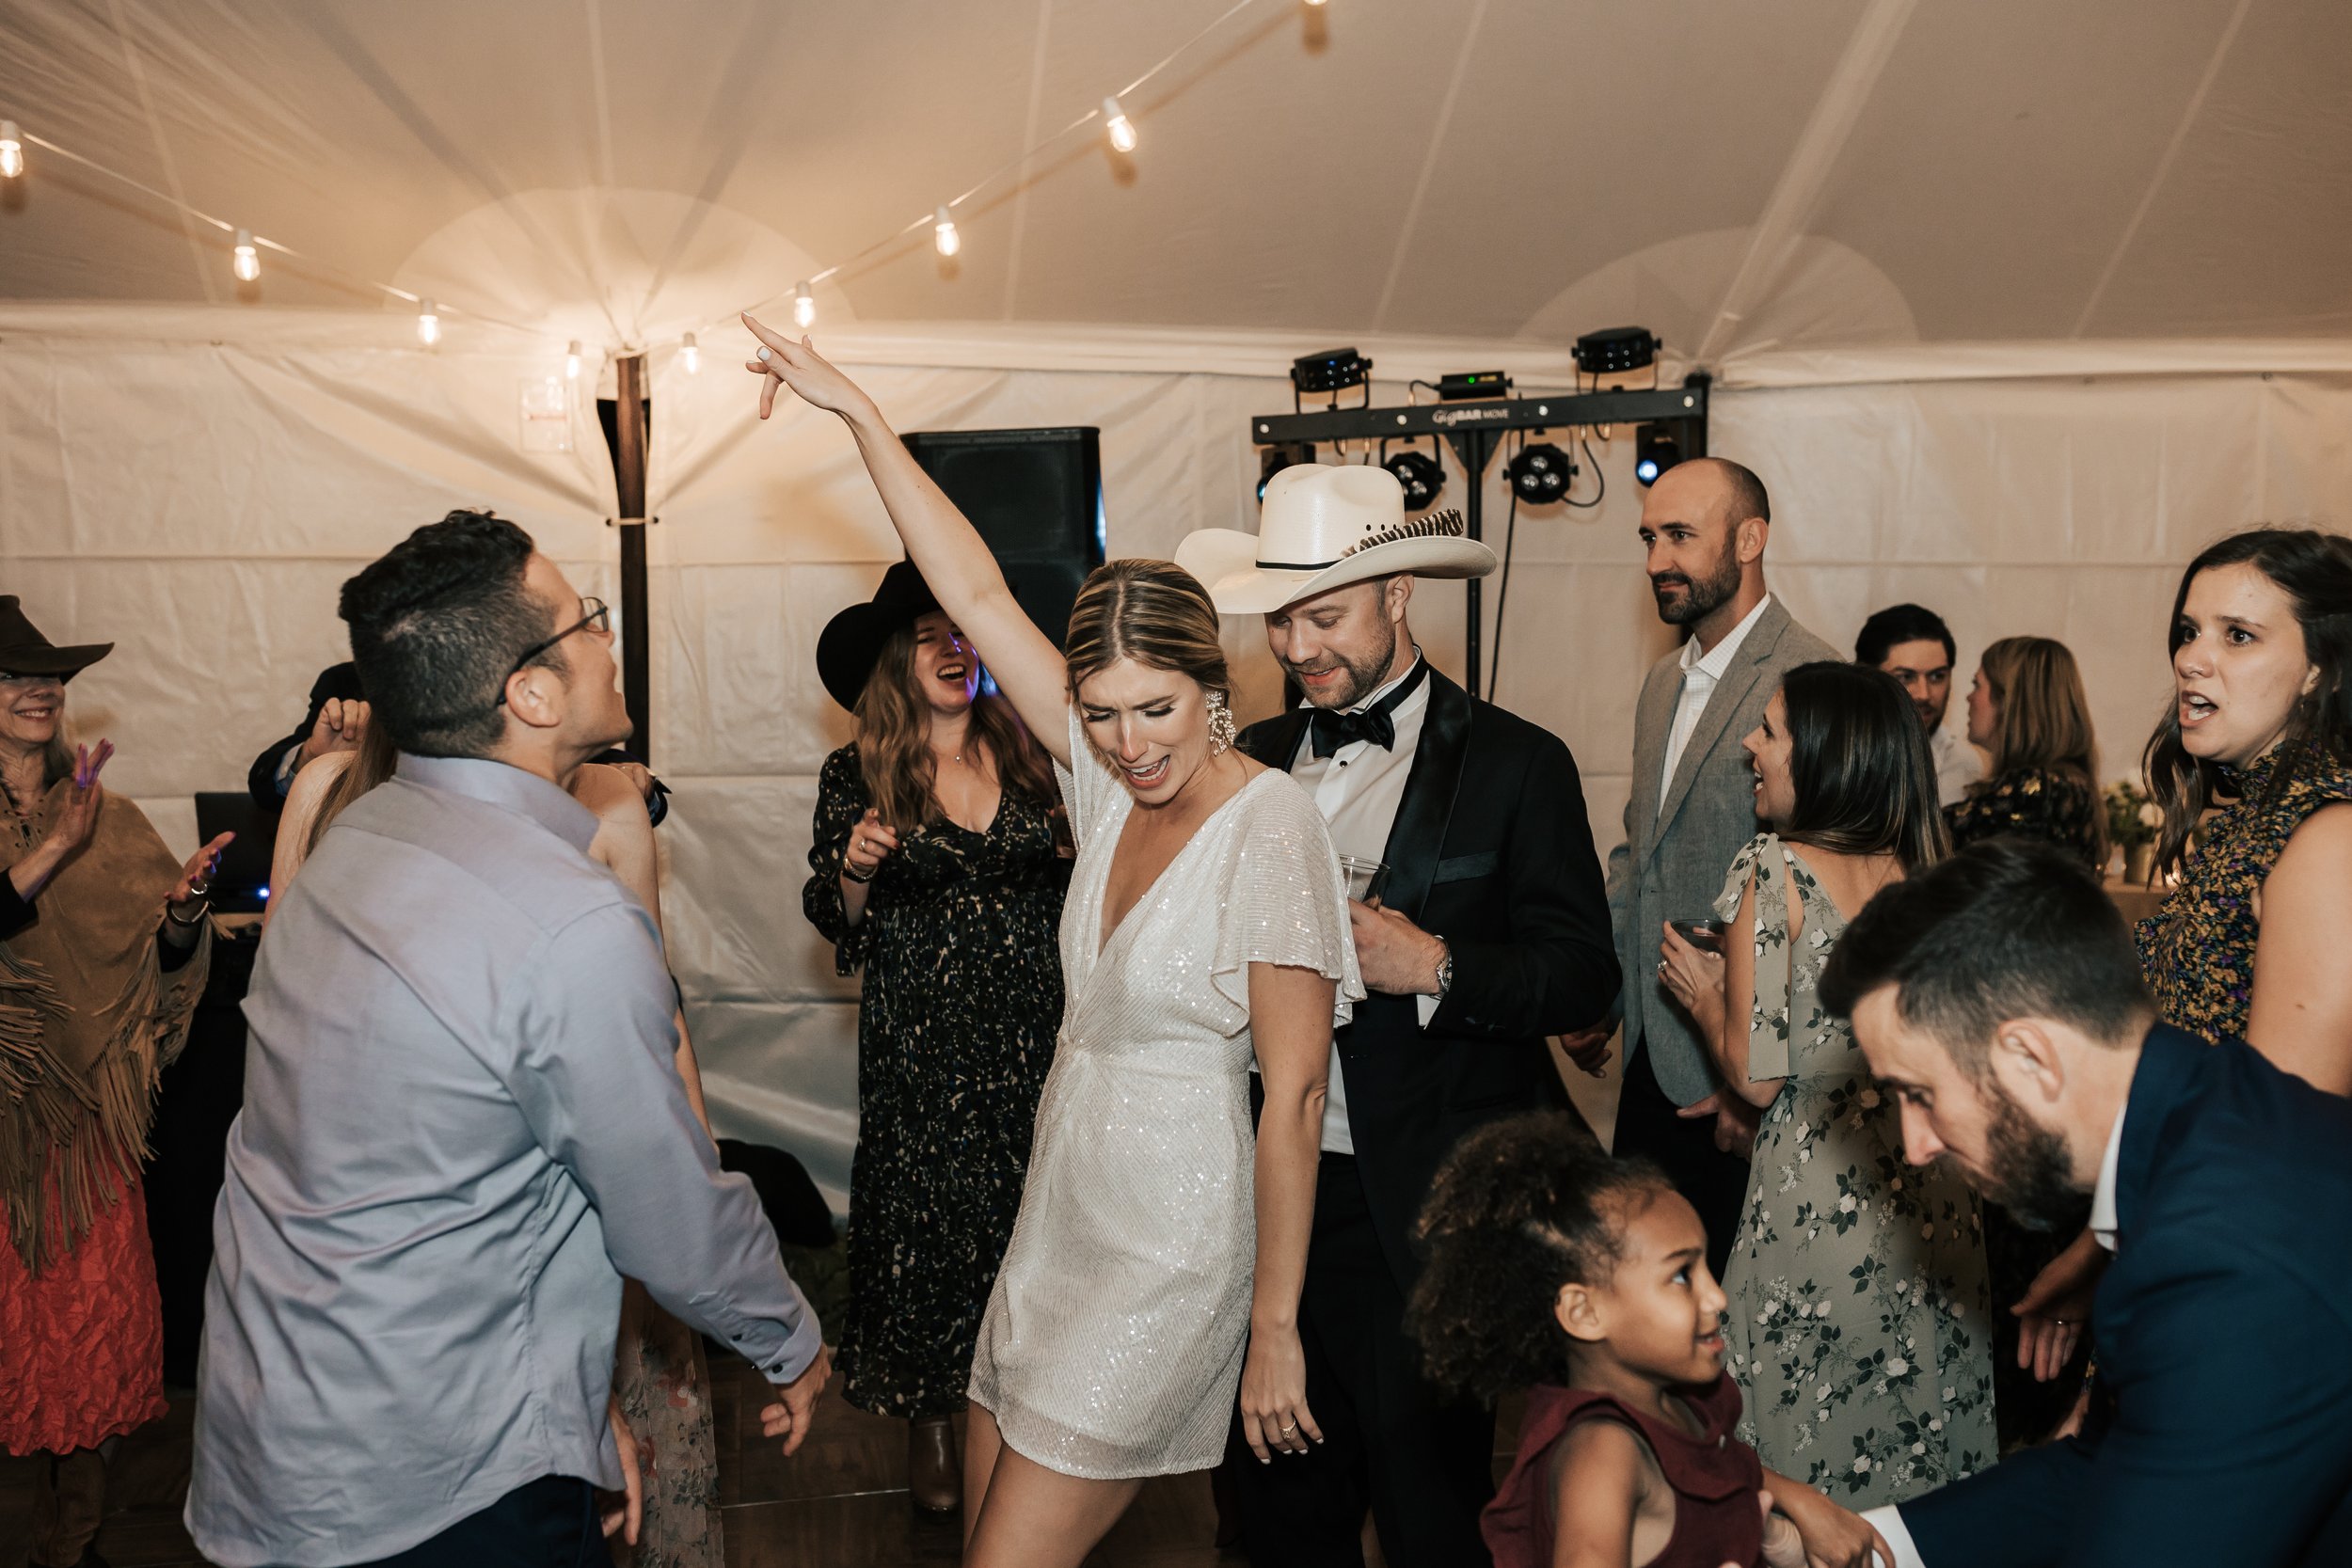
point(840, 1503)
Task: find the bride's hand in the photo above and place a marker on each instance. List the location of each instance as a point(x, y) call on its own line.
point(799, 366)
point(1274, 1413)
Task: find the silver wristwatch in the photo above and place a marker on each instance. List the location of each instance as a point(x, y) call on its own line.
point(1445, 968)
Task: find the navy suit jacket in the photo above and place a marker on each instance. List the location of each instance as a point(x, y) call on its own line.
point(2224, 1331)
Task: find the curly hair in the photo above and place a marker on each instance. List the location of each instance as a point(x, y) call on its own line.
point(1521, 1208)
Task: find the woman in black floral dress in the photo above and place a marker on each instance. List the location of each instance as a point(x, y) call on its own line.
point(935, 867)
point(2028, 710)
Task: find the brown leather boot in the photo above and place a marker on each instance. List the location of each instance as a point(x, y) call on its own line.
point(934, 1469)
point(69, 1503)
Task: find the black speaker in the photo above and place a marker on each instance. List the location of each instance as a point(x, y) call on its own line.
point(1036, 497)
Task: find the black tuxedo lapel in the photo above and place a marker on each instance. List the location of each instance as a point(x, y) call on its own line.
point(1419, 833)
point(1275, 741)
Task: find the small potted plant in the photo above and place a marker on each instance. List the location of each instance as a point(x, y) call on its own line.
point(2132, 820)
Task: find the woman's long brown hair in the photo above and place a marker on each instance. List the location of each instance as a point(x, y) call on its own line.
point(894, 747)
point(371, 765)
point(2044, 720)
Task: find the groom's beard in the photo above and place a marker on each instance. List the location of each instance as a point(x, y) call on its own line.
point(2031, 1174)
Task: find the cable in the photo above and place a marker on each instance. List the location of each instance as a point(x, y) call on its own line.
point(1502, 588)
point(1598, 473)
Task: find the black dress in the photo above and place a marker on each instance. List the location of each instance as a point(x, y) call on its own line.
point(2030, 802)
point(961, 1001)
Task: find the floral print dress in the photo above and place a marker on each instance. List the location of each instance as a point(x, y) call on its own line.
point(2197, 951)
point(1859, 1324)
point(2032, 803)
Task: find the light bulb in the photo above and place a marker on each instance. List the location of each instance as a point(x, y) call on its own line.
point(428, 324)
point(691, 354)
point(11, 151)
point(1122, 130)
point(803, 307)
point(571, 361)
point(248, 266)
point(1316, 4)
point(944, 233)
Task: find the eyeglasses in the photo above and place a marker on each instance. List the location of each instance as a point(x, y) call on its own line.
point(599, 620)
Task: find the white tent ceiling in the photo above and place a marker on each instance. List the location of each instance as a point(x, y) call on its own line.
point(1742, 176)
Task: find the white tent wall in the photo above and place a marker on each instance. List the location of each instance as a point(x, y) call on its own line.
point(198, 502)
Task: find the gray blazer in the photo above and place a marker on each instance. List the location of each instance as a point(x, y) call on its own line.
point(1672, 863)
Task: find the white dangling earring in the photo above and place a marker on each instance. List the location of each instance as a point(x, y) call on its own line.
point(1220, 725)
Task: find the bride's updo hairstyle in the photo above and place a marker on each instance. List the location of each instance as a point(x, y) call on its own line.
point(1152, 611)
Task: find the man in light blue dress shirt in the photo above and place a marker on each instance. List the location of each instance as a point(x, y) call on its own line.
point(462, 1124)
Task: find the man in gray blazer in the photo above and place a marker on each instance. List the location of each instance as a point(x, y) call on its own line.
point(1692, 808)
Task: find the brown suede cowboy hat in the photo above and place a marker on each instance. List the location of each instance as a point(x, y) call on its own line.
point(24, 651)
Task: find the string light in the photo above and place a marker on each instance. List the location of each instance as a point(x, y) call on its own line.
point(571, 360)
point(428, 324)
point(248, 266)
point(692, 353)
point(1122, 130)
point(803, 306)
point(1316, 4)
point(944, 232)
point(11, 151)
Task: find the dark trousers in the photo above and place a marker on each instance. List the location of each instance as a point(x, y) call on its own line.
point(1715, 1182)
point(1422, 1465)
point(547, 1523)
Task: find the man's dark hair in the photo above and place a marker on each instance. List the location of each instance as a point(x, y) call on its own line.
point(2008, 928)
point(1747, 497)
point(1897, 624)
point(437, 625)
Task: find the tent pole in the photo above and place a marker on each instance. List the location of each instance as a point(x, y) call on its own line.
point(628, 479)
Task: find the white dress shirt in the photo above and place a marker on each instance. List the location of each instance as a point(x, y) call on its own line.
point(1888, 1521)
point(1700, 676)
point(1958, 764)
point(1359, 788)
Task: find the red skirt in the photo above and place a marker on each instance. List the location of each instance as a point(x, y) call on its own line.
point(82, 1343)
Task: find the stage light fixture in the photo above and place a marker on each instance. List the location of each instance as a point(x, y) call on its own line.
point(428, 324)
point(1122, 130)
point(1420, 472)
point(247, 264)
point(1540, 473)
point(571, 360)
point(1616, 350)
point(11, 151)
point(1332, 370)
point(803, 307)
point(944, 232)
point(1655, 451)
point(691, 353)
point(1280, 455)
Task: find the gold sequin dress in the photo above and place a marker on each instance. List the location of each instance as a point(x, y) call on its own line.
point(1112, 1345)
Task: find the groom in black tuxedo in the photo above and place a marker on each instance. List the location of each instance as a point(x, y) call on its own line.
point(1492, 932)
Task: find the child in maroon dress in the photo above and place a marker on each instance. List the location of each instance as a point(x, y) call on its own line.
point(1554, 1265)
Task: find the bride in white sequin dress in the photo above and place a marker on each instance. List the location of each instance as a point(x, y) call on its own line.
point(1158, 1256)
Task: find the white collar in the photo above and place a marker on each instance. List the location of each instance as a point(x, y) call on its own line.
point(2103, 1220)
point(1714, 665)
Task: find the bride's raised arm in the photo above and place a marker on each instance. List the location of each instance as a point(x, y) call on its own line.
point(941, 542)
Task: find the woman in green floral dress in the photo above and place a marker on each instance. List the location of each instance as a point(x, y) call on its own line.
point(1859, 1325)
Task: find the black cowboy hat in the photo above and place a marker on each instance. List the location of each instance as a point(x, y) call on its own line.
point(852, 643)
point(24, 651)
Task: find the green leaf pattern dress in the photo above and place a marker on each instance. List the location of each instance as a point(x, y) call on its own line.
point(1859, 1324)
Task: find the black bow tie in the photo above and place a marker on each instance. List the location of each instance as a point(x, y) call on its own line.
point(1376, 724)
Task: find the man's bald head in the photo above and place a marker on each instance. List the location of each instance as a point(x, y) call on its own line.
point(1704, 524)
point(1742, 495)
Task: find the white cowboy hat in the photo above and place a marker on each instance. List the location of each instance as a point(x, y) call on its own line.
point(1323, 527)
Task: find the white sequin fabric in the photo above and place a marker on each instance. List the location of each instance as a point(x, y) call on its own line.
point(1112, 1346)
